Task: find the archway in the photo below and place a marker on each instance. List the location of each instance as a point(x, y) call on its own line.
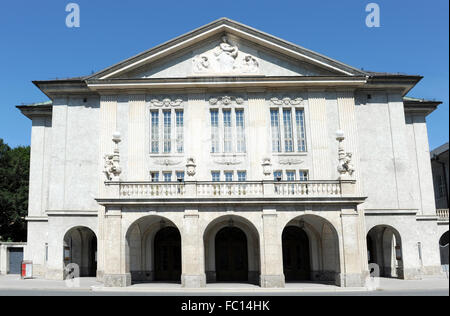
point(443, 245)
point(296, 258)
point(231, 255)
point(80, 247)
point(311, 250)
point(153, 250)
point(232, 250)
point(384, 248)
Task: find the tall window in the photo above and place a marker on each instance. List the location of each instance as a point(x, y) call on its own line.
point(275, 124)
point(167, 132)
point(215, 131)
point(180, 131)
point(288, 141)
point(155, 132)
point(301, 135)
point(227, 132)
point(289, 131)
point(240, 131)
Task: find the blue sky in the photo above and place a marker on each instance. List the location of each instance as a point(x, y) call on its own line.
point(37, 45)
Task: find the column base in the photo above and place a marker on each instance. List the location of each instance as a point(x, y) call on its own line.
point(193, 281)
point(272, 281)
point(54, 274)
point(352, 279)
point(117, 280)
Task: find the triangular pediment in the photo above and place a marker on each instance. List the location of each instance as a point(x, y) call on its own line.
point(226, 48)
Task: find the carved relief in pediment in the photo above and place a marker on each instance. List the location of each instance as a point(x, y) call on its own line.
point(226, 58)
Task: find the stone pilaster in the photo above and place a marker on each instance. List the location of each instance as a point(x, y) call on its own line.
point(193, 265)
point(114, 264)
point(272, 254)
point(319, 144)
point(108, 118)
point(137, 146)
point(353, 272)
point(348, 124)
point(258, 133)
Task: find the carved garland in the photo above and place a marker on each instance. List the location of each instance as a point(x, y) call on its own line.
point(226, 100)
point(287, 101)
point(166, 103)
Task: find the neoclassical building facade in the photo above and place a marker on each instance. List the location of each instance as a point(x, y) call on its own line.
point(230, 155)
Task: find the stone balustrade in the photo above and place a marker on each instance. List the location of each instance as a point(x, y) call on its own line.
point(442, 214)
point(247, 189)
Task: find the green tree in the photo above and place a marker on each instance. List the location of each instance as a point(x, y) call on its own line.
point(14, 178)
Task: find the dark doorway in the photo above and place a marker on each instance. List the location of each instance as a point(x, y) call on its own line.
point(168, 255)
point(231, 255)
point(15, 260)
point(296, 259)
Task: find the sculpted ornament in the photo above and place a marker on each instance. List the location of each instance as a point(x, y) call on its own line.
point(190, 167)
point(345, 166)
point(112, 168)
point(226, 100)
point(225, 59)
point(290, 161)
point(167, 162)
point(166, 103)
point(286, 101)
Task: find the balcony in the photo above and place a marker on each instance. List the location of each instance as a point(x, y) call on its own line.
point(442, 214)
point(249, 190)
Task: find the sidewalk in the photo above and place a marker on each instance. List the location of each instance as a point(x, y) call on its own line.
point(13, 282)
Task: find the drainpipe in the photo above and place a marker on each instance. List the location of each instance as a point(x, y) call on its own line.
point(436, 158)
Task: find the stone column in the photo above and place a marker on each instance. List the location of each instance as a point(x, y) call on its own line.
point(353, 272)
point(272, 254)
point(193, 263)
point(115, 263)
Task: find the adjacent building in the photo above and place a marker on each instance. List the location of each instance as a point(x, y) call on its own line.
point(230, 155)
point(439, 165)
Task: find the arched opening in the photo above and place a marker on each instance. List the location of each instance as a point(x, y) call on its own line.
point(384, 248)
point(80, 247)
point(296, 258)
point(311, 250)
point(443, 245)
point(153, 250)
point(232, 251)
point(168, 255)
point(231, 255)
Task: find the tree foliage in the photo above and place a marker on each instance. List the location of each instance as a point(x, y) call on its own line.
point(14, 178)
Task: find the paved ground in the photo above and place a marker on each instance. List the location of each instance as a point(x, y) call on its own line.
point(13, 285)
